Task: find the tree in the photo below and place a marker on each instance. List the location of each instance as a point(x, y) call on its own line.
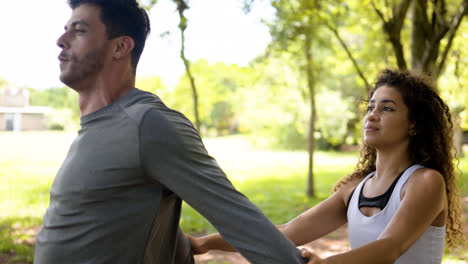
point(300, 23)
point(424, 29)
point(434, 26)
point(296, 23)
point(182, 6)
point(433, 23)
point(222, 85)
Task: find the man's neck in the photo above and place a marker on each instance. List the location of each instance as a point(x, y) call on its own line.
point(102, 93)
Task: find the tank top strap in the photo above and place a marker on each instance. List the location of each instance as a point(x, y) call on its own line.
point(404, 178)
point(353, 203)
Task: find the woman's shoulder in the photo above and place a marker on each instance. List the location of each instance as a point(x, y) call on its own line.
point(426, 176)
point(425, 180)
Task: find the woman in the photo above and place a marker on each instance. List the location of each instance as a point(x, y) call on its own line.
point(401, 203)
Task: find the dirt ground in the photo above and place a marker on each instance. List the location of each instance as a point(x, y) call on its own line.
point(331, 244)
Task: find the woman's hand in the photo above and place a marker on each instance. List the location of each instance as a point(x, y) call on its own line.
point(197, 245)
point(312, 258)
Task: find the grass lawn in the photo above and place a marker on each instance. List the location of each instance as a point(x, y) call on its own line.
point(275, 181)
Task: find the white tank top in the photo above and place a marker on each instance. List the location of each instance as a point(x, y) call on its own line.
point(428, 249)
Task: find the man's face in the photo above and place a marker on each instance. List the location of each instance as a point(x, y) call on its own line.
point(85, 47)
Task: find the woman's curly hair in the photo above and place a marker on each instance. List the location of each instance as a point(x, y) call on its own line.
point(432, 146)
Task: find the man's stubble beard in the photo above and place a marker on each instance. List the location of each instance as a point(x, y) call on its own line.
point(82, 67)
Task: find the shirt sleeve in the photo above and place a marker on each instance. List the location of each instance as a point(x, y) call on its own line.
point(173, 154)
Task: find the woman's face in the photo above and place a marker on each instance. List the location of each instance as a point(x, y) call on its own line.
point(386, 123)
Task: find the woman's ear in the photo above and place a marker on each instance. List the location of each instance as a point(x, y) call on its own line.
point(123, 47)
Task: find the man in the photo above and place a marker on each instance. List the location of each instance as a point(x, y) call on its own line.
point(117, 196)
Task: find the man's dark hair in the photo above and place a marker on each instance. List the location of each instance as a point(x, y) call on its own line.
point(122, 18)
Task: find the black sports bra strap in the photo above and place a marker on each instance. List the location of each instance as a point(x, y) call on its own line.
point(378, 201)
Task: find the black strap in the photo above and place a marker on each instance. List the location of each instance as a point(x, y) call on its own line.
point(378, 201)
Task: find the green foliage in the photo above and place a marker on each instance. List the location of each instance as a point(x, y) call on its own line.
point(2, 83)
point(335, 113)
point(64, 101)
point(153, 85)
point(453, 85)
point(219, 86)
point(62, 97)
point(148, 4)
point(274, 109)
point(62, 119)
point(269, 99)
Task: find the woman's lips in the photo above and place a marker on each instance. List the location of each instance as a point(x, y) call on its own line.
point(370, 128)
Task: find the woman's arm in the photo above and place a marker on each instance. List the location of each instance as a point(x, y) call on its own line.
point(319, 220)
point(316, 222)
point(423, 201)
point(201, 245)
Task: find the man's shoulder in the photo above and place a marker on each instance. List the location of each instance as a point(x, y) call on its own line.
point(150, 113)
point(141, 102)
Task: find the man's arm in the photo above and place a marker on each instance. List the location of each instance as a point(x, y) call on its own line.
point(314, 223)
point(173, 154)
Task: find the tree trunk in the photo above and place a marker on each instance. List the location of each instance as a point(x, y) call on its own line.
point(418, 43)
point(181, 7)
point(425, 39)
point(427, 34)
point(311, 85)
point(194, 92)
point(393, 28)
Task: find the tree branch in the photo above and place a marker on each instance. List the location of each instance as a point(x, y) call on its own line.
point(181, 7)
point(454, 25)
point(393, 29)
point(350, 55)
point(426, 25)
point(399, 17)
point(438, 14)
point(379, 13)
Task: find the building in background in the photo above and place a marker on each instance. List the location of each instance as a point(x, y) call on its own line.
point(15, 112)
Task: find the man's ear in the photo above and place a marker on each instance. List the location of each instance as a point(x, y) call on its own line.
point(123, 46)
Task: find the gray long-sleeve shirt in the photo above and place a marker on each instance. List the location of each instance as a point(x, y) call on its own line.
point(117, 196)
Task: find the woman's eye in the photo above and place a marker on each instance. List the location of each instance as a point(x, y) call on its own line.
point(388, 109)
point(370, 108)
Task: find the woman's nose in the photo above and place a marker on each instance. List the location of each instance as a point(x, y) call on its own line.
point(372, 115)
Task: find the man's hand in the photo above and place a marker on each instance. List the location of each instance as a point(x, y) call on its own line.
point(312, 258)
point(197, 247)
